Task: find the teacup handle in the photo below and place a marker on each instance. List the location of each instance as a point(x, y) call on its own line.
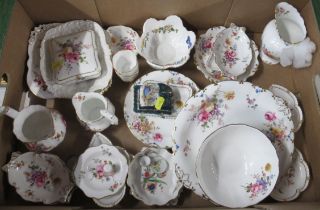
point(5, 110)
point(111, 117)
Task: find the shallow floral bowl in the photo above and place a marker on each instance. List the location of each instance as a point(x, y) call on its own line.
point(166, 43)
point(205, 61)
point(40, 177)
point(231, 172)
point(272, 44)
point(290, 24)
point(152, 178)
point(232, 51)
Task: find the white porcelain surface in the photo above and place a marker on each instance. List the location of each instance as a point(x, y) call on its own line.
point(111, 200)
point(34, 78)
point(232, 51)
point(166, 43)
point(94, 111)
point(154, 183)
point(290, 24)
point(125, 64)
point(154, 129)
point(298, 55)
point(100, 84)
point(205, 61)
point(229, 102)
point(292, 102)
point(101, 171)
point(237, 166)
point(40, 178)
point(271, 43)
point(51, 127)
point(294, 182)
point(122, 38)
point(72, 58)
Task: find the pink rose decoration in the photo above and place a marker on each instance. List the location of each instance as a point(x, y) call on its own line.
point(129, 46)
point(157, 137)
point(207, 44)
point(72, 57)
point(39, 178)
point(270, 116)
point(230, 55)
point(99, 170)
point(204, 116)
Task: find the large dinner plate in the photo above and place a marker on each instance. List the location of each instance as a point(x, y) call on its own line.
point(229, 102)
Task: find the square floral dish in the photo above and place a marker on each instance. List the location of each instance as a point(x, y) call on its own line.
point(74, 57)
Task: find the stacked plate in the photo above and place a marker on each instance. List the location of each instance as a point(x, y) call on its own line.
point(102, 170)
point(213, 149)
point(68, 58)
point(226, 54)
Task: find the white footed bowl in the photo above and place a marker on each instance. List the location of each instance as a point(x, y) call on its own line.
point(166, 43)
point(237, 166)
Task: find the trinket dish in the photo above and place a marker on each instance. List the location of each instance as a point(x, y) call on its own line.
point(72, 58)
point(51, 127)
point(229, 102)
point(166, 43)
point(101, 171)
point(40, 178)
point(155, 129)
point(232, 51)
point(226, 160)
point(122, 38)
point(290, 24)
point(99, 84)
point(152, 178)
point(292, 103)
point(294, 182)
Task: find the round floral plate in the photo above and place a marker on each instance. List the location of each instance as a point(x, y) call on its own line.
point(154, 129)
point(34, 79)
point(294, 182)
point(122, 38)
point(101, 171)
point(229, 102)
point(205, 61)
point(40, 178)
point(99, 84)
point(154, 181)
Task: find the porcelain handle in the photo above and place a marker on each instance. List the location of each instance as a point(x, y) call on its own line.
point(14, 155)
point(111, 117)
point(9, 112)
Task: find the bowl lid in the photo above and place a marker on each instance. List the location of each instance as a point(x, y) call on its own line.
point(101, 171)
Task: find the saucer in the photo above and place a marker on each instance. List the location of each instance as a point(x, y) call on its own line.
point(152, 129)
